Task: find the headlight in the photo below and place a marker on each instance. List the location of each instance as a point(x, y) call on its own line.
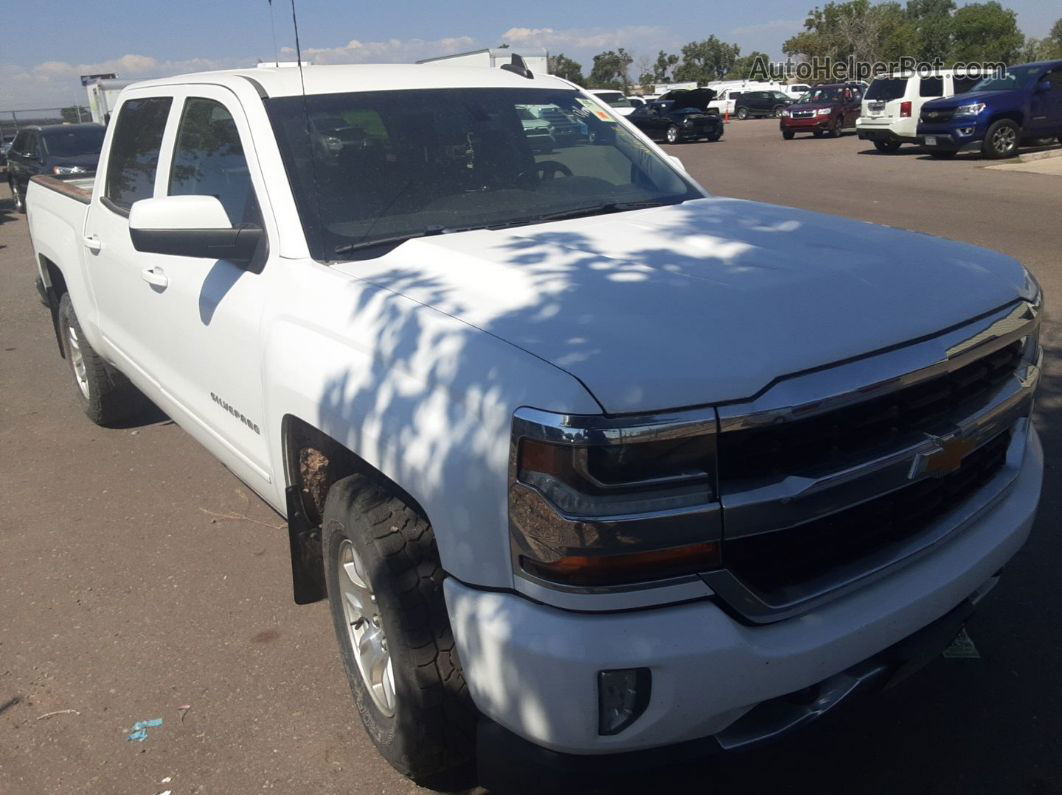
point(787, 114)
point(971, 109)
point(822, 112)
point(66, 171)
point(597, 502)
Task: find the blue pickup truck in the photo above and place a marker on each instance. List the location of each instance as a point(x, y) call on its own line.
point(1024, 103)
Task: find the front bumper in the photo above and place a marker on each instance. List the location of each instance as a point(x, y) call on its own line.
point(532, 669)
point(805, 125)
point(954, 137)
point(506, 762)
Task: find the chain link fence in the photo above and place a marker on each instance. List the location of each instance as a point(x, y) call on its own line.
point(11, 121)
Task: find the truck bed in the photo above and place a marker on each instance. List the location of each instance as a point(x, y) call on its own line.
point(79, 189)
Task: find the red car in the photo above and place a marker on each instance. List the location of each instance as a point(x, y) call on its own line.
point(824, 110)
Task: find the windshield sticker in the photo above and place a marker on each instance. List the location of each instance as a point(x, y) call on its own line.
point(596, 109)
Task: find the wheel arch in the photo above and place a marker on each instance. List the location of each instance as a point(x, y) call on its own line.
point(313, 460)
point(1015, 116)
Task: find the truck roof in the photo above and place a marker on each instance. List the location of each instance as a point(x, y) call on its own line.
point(285, 81)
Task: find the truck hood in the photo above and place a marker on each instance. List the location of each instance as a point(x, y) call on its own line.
point(698, 303)
point(993, 97)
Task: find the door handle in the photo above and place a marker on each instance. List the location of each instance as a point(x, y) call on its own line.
point(92, 243)
point(154, 276)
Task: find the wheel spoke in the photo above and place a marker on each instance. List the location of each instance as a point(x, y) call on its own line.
point(364, 630)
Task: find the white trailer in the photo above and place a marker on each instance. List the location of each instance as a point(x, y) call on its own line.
point(536, 61)
point(103, 97)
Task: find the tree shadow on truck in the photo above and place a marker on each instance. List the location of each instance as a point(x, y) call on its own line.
point(959, 726)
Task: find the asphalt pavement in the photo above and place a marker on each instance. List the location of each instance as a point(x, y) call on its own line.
point(140, 580)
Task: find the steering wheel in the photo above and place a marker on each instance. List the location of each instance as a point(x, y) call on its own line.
point(549, 169)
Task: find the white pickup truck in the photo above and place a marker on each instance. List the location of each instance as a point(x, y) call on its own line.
point(595, 469)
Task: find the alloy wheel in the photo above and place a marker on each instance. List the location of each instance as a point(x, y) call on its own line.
point(1004, 139)
point(77, 360)
point(365, 631)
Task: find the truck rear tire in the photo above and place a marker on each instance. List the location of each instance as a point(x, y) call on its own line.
point(1001, 140)
point(385, 593)
point(106, 396)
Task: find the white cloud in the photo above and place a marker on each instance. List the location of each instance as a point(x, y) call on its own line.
point(57, 83)
point(389, 51)
point(589, 41)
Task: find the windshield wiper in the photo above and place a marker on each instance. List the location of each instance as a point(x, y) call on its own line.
point(579, 212)
point(583, 212)
point(395, 239)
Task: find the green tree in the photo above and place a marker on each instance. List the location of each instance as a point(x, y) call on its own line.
point(610, 70)
point(664, 66)
point(704, 61)
point(564, 67)
point(853, 31)
point(930, 22)
point(986, 32)
point(75, 114)
point(742, 67)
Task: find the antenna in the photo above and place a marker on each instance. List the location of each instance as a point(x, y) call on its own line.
point(306, 116)
point(273, 27)
point(516, 66)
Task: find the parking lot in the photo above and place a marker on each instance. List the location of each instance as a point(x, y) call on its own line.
point(139, 579)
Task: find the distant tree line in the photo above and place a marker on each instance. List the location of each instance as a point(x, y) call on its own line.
point(858, 30)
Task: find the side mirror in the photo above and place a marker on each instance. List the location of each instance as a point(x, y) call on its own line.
point(191, 226)
point(1043, 86)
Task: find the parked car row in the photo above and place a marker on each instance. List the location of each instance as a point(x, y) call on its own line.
point(950, 111)
point(55, 150)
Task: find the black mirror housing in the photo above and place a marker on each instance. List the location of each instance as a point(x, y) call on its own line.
point(237, 245)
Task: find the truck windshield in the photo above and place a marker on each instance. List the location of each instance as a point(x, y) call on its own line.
point(73, 141)
point(615, 99)
point(1016, 77)
point(887, 88)
point(384, 166)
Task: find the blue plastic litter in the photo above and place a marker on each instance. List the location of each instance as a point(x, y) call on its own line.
point(140, 729)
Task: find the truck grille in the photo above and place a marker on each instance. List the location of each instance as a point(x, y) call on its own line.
point(785, 558)
point(829, 440)
point(934, 116)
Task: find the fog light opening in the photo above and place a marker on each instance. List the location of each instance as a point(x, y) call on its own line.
point(622, 697)
point(965, 131)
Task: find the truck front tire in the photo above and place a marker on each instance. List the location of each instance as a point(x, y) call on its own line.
point(385, 592)
point(1001, 140)
point(106, 396)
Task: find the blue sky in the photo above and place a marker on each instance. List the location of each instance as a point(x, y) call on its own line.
point(64, 38)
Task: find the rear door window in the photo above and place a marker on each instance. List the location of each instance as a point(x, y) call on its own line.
point(886, 88)
point(931, 87)
point(134, 154)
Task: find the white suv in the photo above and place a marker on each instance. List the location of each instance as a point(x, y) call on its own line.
point(892, 103)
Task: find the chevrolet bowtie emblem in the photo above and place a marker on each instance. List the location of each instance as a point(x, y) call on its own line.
point(945, 458)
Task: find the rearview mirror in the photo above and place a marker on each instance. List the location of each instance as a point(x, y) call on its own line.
point(191, 226)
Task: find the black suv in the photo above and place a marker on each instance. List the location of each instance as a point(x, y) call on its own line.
point(57, 150)
point(761, 103)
